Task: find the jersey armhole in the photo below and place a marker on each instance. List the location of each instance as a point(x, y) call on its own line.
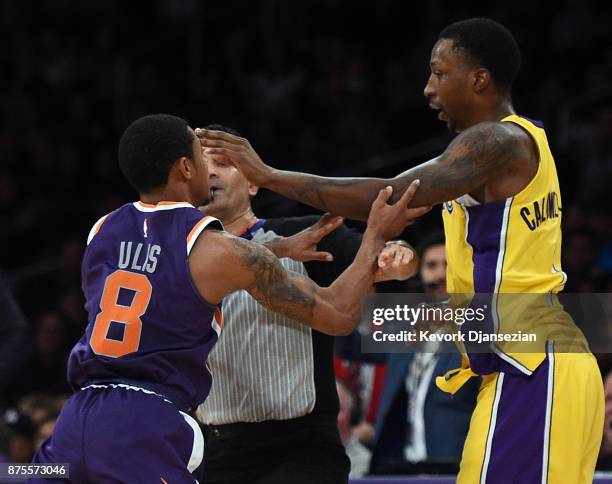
point(96, 228)
point(194, 233)
point(539, 169)
point(197, 229)
point(531, 137)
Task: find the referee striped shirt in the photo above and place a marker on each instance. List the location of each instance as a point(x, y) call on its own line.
point(266, 366)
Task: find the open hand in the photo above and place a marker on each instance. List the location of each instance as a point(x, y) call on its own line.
point(387, 221)
point(303, 245)
point(236, 151)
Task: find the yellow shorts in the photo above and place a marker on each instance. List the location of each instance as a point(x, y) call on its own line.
point(543, 428)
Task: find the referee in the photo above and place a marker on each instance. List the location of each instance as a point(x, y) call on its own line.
point(271, 414)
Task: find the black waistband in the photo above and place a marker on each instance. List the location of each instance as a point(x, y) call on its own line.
point(161, 390)
point(276, 426)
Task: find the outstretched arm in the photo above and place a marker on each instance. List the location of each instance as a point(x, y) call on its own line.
point(249, 266)
point(479, 155)
point(303, 245)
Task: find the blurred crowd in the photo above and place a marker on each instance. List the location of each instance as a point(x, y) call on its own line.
point(310, 91)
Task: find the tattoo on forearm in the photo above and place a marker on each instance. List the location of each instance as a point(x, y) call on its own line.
point(474, 158)
point(469, 162)
point(282, 290)
point(314, 189)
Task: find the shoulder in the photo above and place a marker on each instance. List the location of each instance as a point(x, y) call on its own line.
point(224, 250)
point(98, 225)
point(198, 224)
point(491, 141)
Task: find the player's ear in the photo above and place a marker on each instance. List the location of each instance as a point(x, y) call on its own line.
point(253, 189)
point(185, 167)
point(481, 79)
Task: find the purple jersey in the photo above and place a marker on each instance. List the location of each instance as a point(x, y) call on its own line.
point(147, 323)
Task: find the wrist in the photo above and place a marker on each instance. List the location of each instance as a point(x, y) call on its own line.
point(277, 246)
point(373, 240)
point(267, 177)
point(399, 242)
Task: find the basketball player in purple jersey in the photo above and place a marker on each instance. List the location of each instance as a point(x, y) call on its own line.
point(154, 274)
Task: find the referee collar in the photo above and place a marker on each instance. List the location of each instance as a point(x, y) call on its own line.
point(248, 233)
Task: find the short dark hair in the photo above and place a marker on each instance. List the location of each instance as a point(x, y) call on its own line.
point(430, 240)
point(150, 146)
point(220, 127)
point(489, 44)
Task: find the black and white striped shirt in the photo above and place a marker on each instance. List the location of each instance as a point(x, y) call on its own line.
point(266, 366)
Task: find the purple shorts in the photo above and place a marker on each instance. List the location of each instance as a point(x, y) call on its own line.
point(121, 433)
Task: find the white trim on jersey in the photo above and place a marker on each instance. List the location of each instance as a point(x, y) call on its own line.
point(492, 423)
point(126, 387)
point(499, 269)
point(502, 245)
point(96, 227)
point(550, 347)
point(215, 326)
point(161, 206)
point(511, 360)
point(197, 230)
point(197, 451)
point(563, 275)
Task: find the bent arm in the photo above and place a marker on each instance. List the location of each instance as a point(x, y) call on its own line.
point(334, 310)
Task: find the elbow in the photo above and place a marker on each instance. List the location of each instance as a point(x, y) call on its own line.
point(346, 323)
point(344, 330)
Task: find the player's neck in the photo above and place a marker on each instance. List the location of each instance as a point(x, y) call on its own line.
point(164, 195)
point(499, 109)
point(493, 113)
point(239, 223)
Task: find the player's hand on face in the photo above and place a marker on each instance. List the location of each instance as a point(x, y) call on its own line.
point(394, 262)
point(235, 150)
point(303, 245)
point(388, 221)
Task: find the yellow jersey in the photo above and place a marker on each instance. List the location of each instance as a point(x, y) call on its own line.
point(512, 247)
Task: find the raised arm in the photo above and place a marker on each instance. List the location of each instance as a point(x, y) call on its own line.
point(250, 266)
point(480, 155)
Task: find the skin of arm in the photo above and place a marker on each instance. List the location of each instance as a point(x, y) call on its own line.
point(489, 160)
point(303, 245)
point(333, 310)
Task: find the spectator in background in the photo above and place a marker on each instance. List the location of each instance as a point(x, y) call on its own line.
point(416, 421)
point(20, 432)
point(14, 338)
point(44, 431)
point(358, 454)
point(580, 256)
point(46, 371)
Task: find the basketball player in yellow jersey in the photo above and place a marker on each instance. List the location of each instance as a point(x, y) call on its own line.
point(539, 416)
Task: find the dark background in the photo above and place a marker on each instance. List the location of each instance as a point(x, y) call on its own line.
point(330, 87)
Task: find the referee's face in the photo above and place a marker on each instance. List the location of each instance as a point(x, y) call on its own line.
point(230, 191)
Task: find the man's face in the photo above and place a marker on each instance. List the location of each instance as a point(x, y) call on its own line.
point(230, 191)
point(433, 269)
point(449, 85)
